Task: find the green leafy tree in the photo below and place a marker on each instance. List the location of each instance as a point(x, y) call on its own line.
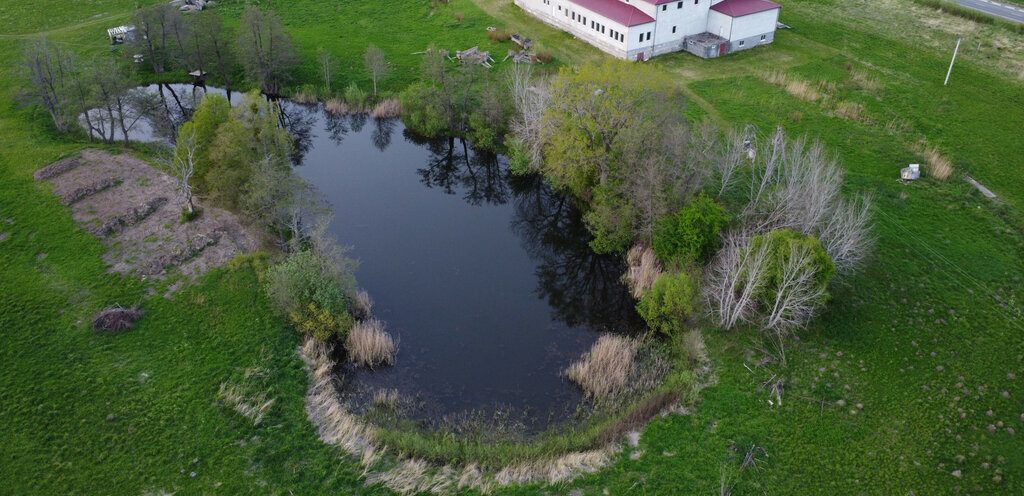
point(212, 112)
point(692, 234)
point(588, 109)
point(669, 303)
point(250, 139)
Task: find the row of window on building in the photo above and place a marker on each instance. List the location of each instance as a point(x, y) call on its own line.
point(679, 5)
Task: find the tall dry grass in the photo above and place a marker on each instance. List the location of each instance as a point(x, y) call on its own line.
point(644, 268)
point(850, 110)
point(604, 370)
point(336, 425)
point(336, 106)
point(936, 165)
point(363, 307)
point(250, 406)
point(303, 97)
point(795, 86)
point(864, 82)
point(368, 344)
point(391, 107)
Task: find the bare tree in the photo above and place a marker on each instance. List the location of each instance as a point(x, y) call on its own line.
point(530, 98)
point(183, 163)
point(376, 64)
point(846, 233)
point(118, 106)
point(56, 81)
point(266, 50)
point(328, 66)
point(735, 279)
point(797, 292)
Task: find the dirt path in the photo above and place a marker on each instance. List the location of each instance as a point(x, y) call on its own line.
point(134, 209)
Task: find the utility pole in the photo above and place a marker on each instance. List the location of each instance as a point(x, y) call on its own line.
point(950, 71)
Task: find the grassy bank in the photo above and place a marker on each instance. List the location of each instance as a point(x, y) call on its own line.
point(874, 390)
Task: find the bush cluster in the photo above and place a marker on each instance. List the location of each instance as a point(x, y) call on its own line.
point(692, 234)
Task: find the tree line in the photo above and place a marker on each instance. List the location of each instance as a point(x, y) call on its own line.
point(67, 85)
point(716, 223)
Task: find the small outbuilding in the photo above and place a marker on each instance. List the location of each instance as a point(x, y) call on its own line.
point(910, 173)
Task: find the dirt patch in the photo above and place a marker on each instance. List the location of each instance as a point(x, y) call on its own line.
point(134, 209)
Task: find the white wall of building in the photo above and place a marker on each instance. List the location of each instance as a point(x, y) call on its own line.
point(755, 24)
point(719, 23)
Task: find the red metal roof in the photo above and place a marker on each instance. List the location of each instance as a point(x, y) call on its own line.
point(620, 12)
point(739, 8)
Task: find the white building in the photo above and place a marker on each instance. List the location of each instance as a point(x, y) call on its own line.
point(641, 29)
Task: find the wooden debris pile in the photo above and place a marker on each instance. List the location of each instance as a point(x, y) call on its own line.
point(474, 56)
point(191, 5)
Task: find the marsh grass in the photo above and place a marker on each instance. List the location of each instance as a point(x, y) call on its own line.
point(336, 106)
point(305, 98)
point(369, 345)
point(643, 269)
point(388, 108)
point(603, 371)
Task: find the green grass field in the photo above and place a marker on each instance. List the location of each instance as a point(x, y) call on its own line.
point(889, 392)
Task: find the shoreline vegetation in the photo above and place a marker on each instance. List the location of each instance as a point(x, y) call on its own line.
point(753, 248)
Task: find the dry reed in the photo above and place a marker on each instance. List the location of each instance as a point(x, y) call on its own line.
point(363, 307)
point(386, 398)
point(796, 87)
point(303, 97)
point(252, 408)
point(336, 106)
point(604, 370)
point(938, 166)
point(391, 107)
point(850, 110)
point(336, 425)
point(864, 82)
point(368, 344)
point(644, 269)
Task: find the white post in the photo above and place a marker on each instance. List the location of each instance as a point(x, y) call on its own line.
point(950, 71)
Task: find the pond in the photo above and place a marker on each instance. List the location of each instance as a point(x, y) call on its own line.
point(485, 278)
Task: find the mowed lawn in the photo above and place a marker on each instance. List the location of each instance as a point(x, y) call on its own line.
point(910, 381)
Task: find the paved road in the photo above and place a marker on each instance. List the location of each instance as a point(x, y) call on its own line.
point(1011, 12)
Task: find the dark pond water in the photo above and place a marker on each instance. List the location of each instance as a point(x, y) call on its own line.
point(485, 278)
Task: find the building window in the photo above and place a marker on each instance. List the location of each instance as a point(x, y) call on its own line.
point(696, 2)
point(764, 37)
point(648, 36)
point(641, 37)
point(664, 7)
point(741, 43)
point(679, 5)
point(574, 16)
point(559, 8)
point(673, 30)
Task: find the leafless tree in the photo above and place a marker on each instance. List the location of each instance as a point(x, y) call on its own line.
point(846, 233)
point(530, 98)
point(183, 164)
point(118, 107)
point(328, 66)
point(735, 279)
point(56, 81)
point(796, 185)
point(797, 293)
point(376, 64)
point(266, 50)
